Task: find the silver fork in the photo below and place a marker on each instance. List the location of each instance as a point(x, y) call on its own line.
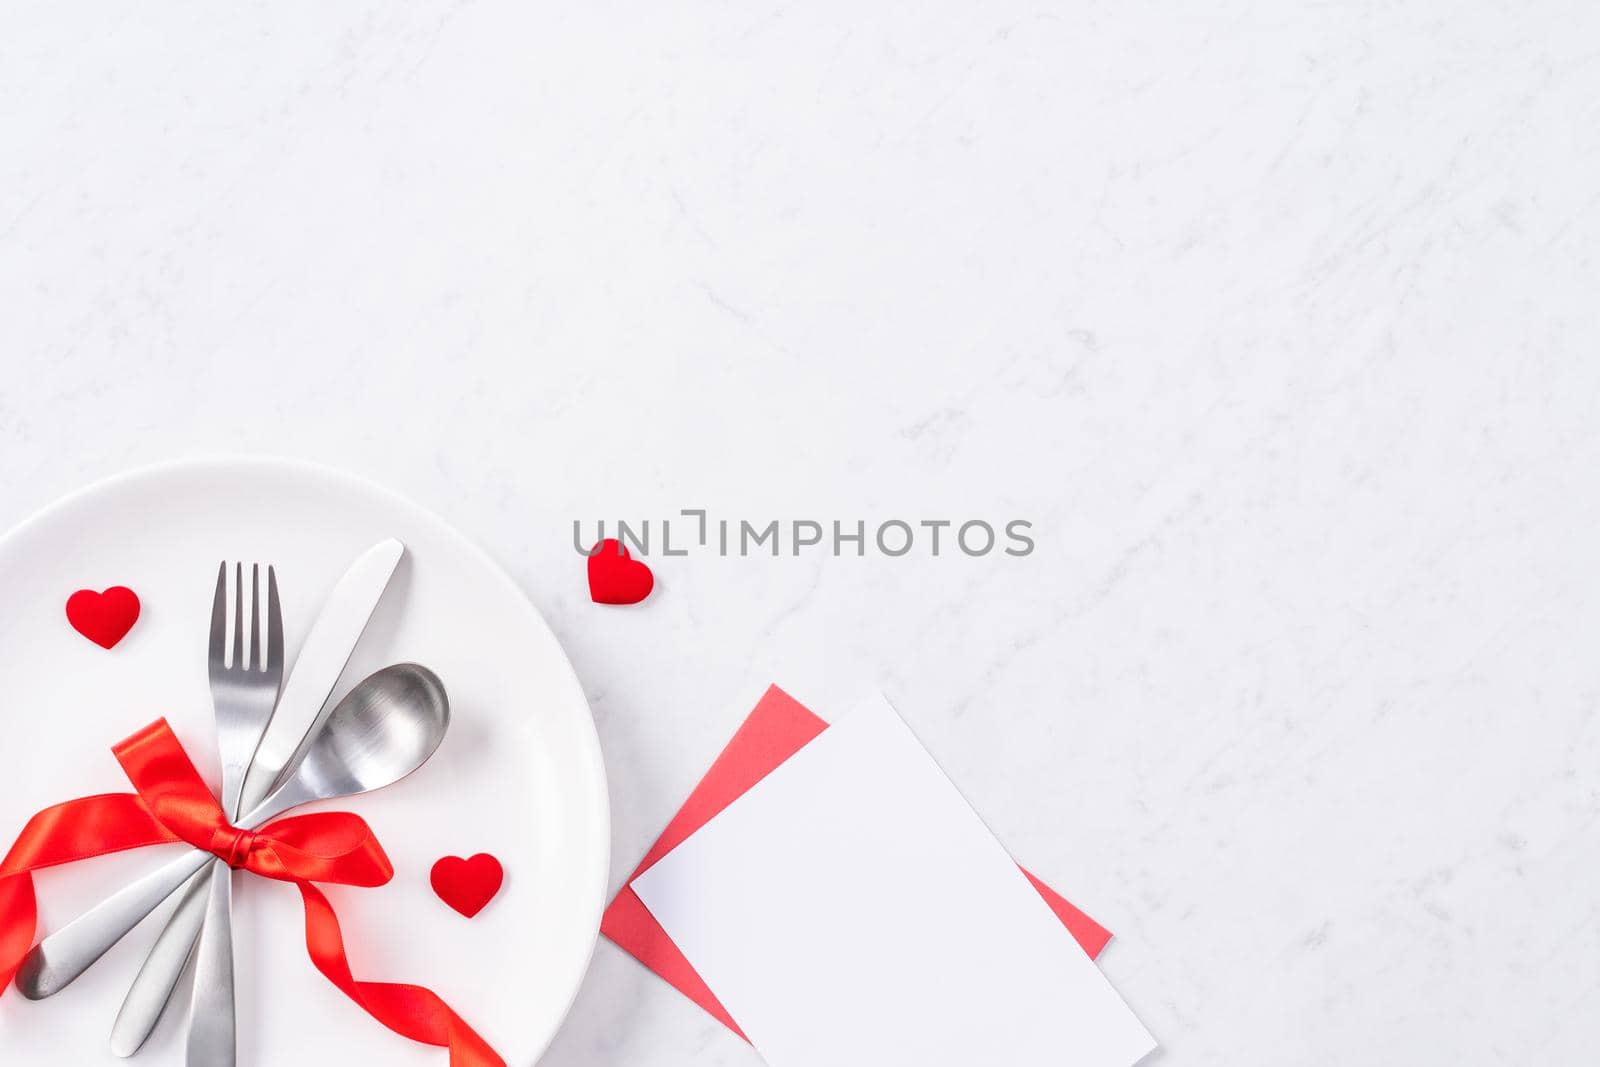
point(243, 696)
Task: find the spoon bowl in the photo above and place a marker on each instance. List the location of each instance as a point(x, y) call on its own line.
point(382, 731)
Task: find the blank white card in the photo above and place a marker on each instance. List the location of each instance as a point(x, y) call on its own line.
point(852, 910)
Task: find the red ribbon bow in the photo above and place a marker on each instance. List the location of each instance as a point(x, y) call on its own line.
point(173, 804)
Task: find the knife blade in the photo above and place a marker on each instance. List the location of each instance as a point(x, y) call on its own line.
point(323, 656)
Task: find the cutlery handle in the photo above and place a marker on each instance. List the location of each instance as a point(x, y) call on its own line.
point(212, 1038)
point(60, 958)
point(152, 988)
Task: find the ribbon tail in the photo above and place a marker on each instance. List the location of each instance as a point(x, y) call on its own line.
point(19, 918)
point(410, 1011)
point(77, 830)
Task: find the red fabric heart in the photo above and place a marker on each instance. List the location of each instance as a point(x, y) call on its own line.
point(104, 618)
point(615, 577)
point(468, 885)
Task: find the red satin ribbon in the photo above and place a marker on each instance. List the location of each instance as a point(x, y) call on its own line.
point(172, 805)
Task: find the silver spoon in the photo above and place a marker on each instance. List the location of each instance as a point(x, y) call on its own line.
point(386, 727)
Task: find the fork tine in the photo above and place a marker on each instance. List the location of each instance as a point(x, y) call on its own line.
point(238, 615)
point(255, 616)
point(219, 616)
point(274, 624)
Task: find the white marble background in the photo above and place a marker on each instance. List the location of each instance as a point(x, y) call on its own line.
point(1278, 320)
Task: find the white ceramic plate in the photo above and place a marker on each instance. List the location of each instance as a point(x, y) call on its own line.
point(519, 775)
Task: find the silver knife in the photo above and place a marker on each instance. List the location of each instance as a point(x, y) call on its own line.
point(327, 648)
point(304, 702)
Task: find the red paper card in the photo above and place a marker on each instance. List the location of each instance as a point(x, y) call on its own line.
point(779, 727)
